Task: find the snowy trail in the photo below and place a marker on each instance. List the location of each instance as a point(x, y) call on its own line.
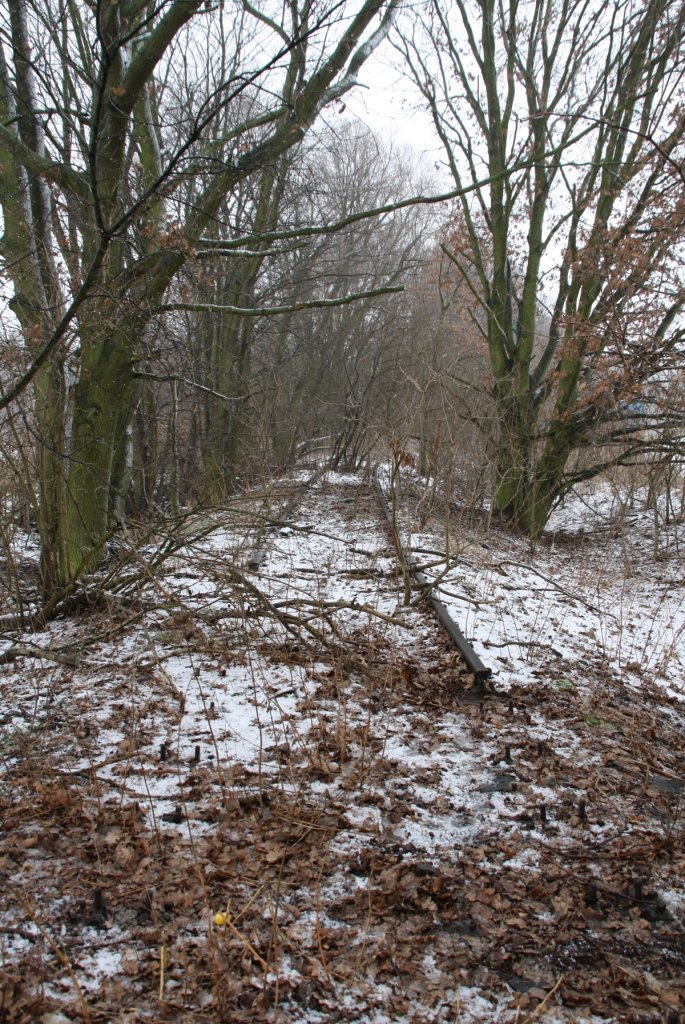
point(388, 841)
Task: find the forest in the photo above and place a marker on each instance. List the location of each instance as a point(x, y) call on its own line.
point(271, 383)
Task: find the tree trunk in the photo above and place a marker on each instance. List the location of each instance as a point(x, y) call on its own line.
point(225, 415)
point(103, 408)
point(50, 411)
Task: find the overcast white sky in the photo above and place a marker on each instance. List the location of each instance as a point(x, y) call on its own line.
point(391, 107)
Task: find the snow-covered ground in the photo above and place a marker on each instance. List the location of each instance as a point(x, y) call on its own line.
point(592, 589)
point(261, 729)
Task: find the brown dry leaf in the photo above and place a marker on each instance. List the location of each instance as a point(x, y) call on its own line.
point(57, 797)
point(124, 855)
point(563, 903)
point(130, 964)
point(112, 837)
point(674, 998)
point(28, 843)
point(482, 911)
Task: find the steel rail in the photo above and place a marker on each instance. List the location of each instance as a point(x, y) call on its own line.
point(473, 662)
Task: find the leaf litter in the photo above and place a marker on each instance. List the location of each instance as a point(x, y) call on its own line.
point(262, 731)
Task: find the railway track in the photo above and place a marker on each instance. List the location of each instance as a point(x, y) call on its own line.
point(427, 586)
point(283, 744)
point(343, 539)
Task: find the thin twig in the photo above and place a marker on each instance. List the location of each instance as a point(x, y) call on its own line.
point(540, 1006)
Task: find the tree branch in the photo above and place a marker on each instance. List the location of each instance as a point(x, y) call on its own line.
point(208, 307)
point(53, 171)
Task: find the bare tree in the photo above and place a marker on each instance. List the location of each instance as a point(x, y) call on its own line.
point(97, 142)
point(566, 120)
point(335, 367)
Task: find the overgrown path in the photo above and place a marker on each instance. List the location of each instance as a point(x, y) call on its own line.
point(277, 740)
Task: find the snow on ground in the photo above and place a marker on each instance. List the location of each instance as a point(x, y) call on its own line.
point(258, 727)
point(593, 587)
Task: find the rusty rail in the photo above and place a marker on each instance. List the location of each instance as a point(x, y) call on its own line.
point(473, 662)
